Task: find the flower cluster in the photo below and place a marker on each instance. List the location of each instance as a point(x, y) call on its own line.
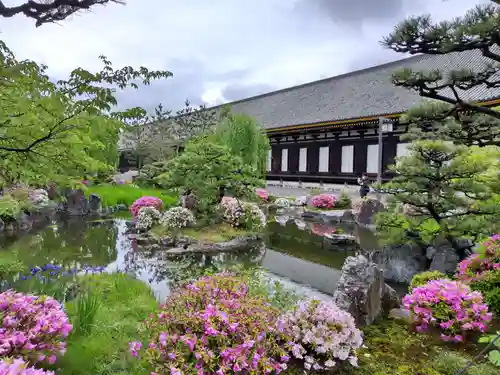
point(320, 229)
point(177, 218)
point(19, 367)
point(322, 334)
point(282, 203)
point(242, 214)
point(323, 201)
point(482, 272)
point(33, 327)
point(424, 277)
point(449, 306)
point(262, 194)
point(147, 217)
point(146, 202)
point(212, 326)
point(38, 197)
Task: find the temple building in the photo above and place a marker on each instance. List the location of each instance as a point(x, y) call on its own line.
point(327, 131)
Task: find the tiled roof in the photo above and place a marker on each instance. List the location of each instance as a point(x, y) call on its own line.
point(362, 93)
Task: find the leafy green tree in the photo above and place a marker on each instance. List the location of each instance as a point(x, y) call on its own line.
point(161, 135)
point(442, 190)
point(244, 137)
point(448, 114)
point(209, 171)
point(47, 11)
point(55, 131)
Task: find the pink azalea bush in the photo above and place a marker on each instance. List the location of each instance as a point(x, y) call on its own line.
point(323, 201)
point(322, 334)
point(212, 326)
point(482, 272)
point(262, 194)
point(450, 306)
point(34, 328)
point(17, 366)
point(145, 202)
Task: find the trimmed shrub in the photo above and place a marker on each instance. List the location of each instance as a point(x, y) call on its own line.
point(10, 209)
point(323, 201)
point(34, 328)
point(243, 215)
point(424, 277)
point(146, 202)
point(323, 335)
point(449, 306)
point(147, 218)
point(177, 218)
point(212, 326)
point(482, 272)
point(282, 203)
point(343, 201)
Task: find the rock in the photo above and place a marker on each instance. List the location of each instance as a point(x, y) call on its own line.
point(95, 204)
point(52, 191)
point(445, 259)
point(2, 225)
point(189, 201)
point(390, 299)
point(238, 243)
point(23, 222)
point(399, 263)
point(400, 314)
point(364, 211)
point(362, 292)
point(121, 207)
point(144, 240)
point(77, 203)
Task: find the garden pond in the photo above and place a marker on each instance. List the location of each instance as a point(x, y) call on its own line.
point(299, 254)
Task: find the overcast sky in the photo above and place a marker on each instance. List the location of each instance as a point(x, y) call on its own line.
point(222, 50)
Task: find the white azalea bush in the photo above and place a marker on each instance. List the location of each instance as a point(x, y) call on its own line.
point(177, 218)
point(282, 203)
point(243, 215)
point(323, 335)
point(38, 197)
point(147, 218)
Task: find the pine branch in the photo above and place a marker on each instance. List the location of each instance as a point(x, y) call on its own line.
point(48, 11)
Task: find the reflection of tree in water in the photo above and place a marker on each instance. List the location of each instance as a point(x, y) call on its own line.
point(73, 243)
point(186, 267)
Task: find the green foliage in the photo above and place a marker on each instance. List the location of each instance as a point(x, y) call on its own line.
point(55, 131)
point(10, 266)
point(424, 277)
point(123, 303)
point(149, 173)
point(112, 195)
point(343, 202)
point(10, 209)
point(208, 170)
point(441, 189)
point(489, 285)
point(246, 140)
point(494, 354)
point(87, 306)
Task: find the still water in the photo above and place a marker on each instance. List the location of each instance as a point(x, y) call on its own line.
point(295, 253)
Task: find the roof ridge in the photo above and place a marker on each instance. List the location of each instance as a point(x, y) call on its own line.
point(339, 76)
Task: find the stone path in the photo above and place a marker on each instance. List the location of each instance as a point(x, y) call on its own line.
point(292, 191)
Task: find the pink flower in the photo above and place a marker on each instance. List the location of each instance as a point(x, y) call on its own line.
point(262, 194)
point(323, 201)
point(146, 201)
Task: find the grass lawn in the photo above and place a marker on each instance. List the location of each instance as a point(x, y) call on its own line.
point(213, 233)
point(123, 303)
point(111, 195)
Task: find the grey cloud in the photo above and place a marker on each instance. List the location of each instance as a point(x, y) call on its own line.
point(354, 11)
point(238, 91)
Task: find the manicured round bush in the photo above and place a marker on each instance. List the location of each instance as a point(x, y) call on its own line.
point(146, 202)
point(212, 326)
point(424, 277)
point(17, 366)
point(322, 334)
point(147, 217)
point(323, 201)
point(449, 306)
point(262, 194)
point(177, 218)
point(33, 327)
point(482, 272)
point(282, 203)
point(243, 215)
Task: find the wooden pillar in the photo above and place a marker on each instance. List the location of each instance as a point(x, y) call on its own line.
point(360, 154)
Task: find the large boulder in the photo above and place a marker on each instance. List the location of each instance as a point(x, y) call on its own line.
point(445, 259)
point(365, 209)
point(77, 204)
point(95, 204)
point(362, 292)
